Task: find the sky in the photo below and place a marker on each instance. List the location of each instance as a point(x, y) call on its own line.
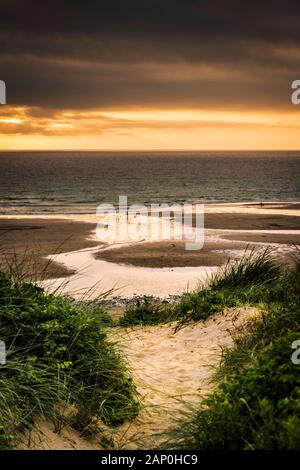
point(156, 74)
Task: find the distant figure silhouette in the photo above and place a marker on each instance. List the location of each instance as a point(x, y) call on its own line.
point(261, 204)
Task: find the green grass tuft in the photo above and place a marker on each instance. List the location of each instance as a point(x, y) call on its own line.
point(147, 311)
point(254, 279)
point(59, 359)
point(254, 268)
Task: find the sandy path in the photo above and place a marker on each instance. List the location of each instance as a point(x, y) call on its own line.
point(171, 370)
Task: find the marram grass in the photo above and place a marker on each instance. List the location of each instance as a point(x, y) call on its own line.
point(256, 401)
point(58, 359)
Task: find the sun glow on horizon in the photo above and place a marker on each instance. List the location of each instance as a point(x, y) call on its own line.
point(32, 128)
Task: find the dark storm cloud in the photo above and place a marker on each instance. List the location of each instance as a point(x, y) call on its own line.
point(72, 54)
point(272, 20)
point(76, 85)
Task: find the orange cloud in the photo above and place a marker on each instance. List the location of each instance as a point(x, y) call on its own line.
point(38, 128)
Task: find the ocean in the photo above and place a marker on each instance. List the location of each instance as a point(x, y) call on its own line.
point(77, 182)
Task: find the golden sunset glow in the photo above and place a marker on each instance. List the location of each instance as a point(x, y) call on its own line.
point(32, 128)
point(195, 77)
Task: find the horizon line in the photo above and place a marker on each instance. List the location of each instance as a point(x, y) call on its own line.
point(149, 150)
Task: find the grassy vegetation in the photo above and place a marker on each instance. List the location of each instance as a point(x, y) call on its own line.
point(59, 363)
point(61, 366)
point(250, 280)
point(253, 279)
point(147, 311)
point(256, 403)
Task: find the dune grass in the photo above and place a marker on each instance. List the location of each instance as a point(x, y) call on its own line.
point(256, 402)
point(59, 363)
point(250, 280)
point(147, 311)
point(254, 268)
point(255, 278)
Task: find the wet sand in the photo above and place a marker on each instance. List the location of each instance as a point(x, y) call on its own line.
point(30, 240)
point(246, 221)
point(47, 235)
point(280, 238)
point(278, 205)
point(173, 254)
point(167, 254)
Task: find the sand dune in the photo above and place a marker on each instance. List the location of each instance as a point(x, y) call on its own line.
point(172, 371)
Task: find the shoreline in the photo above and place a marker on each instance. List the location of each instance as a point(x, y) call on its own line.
point(286, 208)
point(161, 268)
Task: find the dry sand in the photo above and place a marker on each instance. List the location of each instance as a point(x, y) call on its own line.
point(172, 371)
point(43, 437)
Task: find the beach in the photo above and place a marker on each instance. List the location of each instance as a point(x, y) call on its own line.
point(172, 367)
point(33, 239)
point(149, 231)
point(67, 252)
